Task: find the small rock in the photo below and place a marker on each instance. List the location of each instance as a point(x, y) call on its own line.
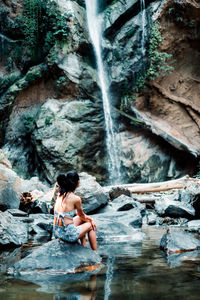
point(151, 218)
point(193, 225)
point(175, 241)
point(17, 212)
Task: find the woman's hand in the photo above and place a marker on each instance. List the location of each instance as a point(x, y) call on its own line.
point(94, 226)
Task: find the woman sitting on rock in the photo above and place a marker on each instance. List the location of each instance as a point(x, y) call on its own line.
point(67, 226)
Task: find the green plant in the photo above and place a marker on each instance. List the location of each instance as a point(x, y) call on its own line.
point(7, 81)
point(191, 23)
point(130, 32)
point(170, 10)
point(10, 64)
point(158, 60)
point(47, 121)
point(43, 25)
point(28, 123)
point(61, 82)
point(32, 19)
point(3, 155)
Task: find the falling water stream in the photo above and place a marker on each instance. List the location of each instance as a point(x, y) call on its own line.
point(95, 22)
point(143, 12)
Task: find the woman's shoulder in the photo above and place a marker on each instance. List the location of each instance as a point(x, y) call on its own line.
point(77, 198)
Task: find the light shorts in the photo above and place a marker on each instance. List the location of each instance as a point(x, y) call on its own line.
point(69, 233)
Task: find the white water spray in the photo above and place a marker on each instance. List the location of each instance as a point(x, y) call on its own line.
point(143, 12)
point(95, 29)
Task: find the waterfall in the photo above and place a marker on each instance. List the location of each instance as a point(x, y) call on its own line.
point(143, 12)
point(2, 45)
point(95, 22)
point(109, 277)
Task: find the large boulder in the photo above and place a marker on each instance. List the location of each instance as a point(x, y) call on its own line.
point(13, 233)
point(56, 257)
point(175, 241)
point(190, 194)
point(125, 203)
point(42, 224)
point(176, 209)
point(79, 141)
point(117, 224)
point(92, 194)
point(10, 188)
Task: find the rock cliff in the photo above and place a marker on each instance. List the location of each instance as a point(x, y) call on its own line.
point(50, 103)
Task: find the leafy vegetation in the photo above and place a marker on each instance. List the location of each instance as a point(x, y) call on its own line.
point(158, 60)
point(28, 123)
point(43, 25)
point(158, 66)
point(47, 121)
point(7, 81)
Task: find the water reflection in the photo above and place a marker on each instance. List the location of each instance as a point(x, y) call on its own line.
point(84, 291)
point(109, 277)
point(132, 271)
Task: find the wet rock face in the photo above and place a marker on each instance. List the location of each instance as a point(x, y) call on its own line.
point(175, 96)
point(66, 137)
point(71, 77)
point(175, 241)
point(161, 105)
point(144, 160)
point(53, 258)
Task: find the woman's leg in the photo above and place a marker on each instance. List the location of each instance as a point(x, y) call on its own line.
point(77, 221)
point(87, 227)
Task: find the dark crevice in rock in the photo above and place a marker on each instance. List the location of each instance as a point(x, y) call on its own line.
point(130, 13)
point(87, 52)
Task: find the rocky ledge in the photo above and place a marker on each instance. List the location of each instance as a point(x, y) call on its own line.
point(56, 259)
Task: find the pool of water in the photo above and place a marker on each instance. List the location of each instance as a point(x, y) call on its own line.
point(133, 271)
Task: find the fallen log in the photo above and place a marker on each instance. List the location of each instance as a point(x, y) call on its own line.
point(142, 188)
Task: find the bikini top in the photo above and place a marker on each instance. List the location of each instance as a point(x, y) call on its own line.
point(68, 214)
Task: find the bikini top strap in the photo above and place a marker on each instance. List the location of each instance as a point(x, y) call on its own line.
point(58, 216)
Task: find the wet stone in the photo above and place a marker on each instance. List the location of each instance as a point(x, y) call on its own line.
point(12, 232)
point(193, 225)
point(176, 241)
point(17, 212)
point(56, 257)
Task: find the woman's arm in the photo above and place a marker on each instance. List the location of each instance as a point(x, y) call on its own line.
point(82, 215)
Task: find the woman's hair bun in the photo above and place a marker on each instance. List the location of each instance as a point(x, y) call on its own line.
point(68, 182)
point(61, 180)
